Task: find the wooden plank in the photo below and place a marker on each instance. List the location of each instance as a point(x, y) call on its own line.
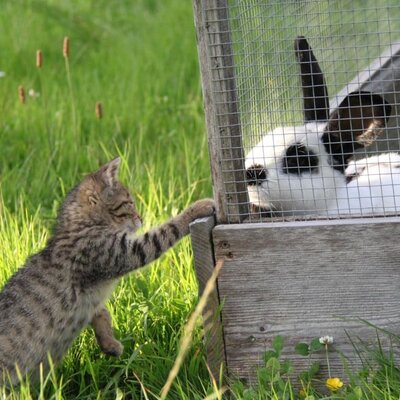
point(201, 234)
point(220, 104)
point(304, 280)
point(382, 76)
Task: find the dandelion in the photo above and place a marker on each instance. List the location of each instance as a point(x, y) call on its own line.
point(21, 94)
point(334, 384)
point(66, 47)
point(326, 340)
point(39, 58)
point(99, 110)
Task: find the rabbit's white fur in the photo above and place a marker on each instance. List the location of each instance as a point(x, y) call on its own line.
point(300, 194)
point(374, 186)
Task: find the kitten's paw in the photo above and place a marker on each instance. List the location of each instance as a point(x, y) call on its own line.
point(112, 347)
point(202, 208)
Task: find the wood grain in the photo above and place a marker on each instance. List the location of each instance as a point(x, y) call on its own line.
point(201, 233)
point(306, 280)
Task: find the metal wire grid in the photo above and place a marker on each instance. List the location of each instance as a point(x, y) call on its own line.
point(264, 91)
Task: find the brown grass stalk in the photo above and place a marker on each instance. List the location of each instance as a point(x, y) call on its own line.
point(189, 328)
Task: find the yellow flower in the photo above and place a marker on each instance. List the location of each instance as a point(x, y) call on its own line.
point(334, 384)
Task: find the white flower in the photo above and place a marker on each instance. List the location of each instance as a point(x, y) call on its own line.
point(33, 94)
point(326, 340)
point(2, 74)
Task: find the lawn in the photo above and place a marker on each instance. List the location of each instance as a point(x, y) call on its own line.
point(139, 59)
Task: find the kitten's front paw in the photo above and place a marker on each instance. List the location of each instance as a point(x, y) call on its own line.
point(202, 208)
point(111, 347)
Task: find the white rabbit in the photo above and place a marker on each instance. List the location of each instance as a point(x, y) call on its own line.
point(308, 169)
point(373, 188)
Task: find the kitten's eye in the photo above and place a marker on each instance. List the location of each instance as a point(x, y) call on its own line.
point(123, 209)
point(299, 159)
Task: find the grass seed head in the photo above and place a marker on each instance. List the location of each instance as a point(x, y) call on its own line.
point(21, 94)
point(39, 58)
point(99, 110)
point(66, 47)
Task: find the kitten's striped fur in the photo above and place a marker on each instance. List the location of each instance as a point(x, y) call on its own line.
point(62, 289)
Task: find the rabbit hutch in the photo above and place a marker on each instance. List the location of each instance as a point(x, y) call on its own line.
point(301, 102)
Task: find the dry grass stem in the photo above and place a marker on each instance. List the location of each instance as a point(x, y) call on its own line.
point(188, 330)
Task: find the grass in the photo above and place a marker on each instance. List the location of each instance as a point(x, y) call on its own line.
point(141, 63)
point(138, 59)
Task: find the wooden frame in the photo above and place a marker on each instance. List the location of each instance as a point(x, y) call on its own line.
point(222, 117)
point(304, 280)
point(298, 279)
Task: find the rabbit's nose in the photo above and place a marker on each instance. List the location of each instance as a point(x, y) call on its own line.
point(256, 174)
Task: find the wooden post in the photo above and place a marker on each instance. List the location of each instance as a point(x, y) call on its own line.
point(201, 231)
point(221, 109)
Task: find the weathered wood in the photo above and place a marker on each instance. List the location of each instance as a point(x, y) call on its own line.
point(303, 280)
point(220, 104)
point(201, 231)
point(382, 77)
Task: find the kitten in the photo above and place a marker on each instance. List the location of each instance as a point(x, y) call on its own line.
point(63, 288)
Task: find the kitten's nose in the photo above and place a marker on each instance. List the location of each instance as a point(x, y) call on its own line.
point(256, 174)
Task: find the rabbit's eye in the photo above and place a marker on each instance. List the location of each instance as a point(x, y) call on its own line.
point(299, 159)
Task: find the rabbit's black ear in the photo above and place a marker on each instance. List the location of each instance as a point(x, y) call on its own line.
point(357, 122)
point(315, 92)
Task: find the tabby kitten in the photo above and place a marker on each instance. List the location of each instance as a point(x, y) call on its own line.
point(63, 288)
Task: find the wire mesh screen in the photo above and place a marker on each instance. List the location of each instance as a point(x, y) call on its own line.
point(302, 107)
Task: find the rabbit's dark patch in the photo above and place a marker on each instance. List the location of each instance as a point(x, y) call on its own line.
point(299, 160)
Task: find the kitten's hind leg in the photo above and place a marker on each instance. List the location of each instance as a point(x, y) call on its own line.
point(101, 324)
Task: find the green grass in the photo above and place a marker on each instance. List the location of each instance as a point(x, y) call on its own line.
point(139, 59)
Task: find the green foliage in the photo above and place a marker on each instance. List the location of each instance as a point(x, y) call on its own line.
point(277, 378)
point(142, 66)
point(139, 59)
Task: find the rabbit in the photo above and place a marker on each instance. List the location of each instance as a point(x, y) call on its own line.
point(309, 169)
point(373, 186)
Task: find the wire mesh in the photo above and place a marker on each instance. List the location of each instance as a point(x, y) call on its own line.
point(309, 92)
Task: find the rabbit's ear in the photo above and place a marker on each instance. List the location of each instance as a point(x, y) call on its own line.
point(315, 92)
point(357, 122)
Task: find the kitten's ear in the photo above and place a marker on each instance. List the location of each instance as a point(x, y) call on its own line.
point(109, 172)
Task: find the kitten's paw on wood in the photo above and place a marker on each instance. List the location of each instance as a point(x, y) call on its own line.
point(202, 208)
